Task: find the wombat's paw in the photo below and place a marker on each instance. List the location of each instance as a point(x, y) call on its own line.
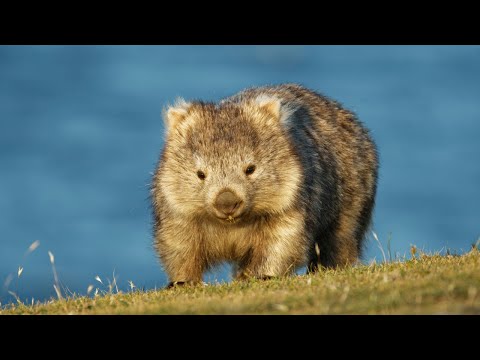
point(266, 277)
point(173, 284)
point(246, 276)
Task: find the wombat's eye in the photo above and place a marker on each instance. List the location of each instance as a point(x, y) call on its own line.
point(249, 170)
point(201, 175)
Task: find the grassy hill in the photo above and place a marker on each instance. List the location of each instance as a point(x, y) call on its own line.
point(424, 285)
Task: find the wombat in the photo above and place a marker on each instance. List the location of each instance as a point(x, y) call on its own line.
point(271, 179)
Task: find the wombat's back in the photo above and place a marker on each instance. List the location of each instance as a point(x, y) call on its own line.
point(340, 168)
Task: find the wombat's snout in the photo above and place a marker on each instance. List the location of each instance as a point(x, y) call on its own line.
point(228, 204)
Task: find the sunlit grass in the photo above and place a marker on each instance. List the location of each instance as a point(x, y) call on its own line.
point(425, 284)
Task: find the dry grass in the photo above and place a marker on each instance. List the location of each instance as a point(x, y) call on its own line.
point(423, 285)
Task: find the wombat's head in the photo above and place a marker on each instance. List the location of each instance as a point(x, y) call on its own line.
point(230, 162)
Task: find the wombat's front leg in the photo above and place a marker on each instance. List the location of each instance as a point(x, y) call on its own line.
point(182, 266)
point(181, 254)
point(277, 252)
point(261, 265)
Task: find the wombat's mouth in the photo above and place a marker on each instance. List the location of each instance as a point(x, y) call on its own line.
point(230, 219)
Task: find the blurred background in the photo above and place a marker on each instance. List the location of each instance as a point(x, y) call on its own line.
point(81, 132)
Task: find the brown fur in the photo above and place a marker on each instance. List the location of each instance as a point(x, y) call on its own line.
point(314, 183)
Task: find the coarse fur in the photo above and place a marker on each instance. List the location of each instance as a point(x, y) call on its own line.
point(308, 200)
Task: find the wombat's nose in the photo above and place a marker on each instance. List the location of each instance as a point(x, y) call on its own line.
point(228, 203)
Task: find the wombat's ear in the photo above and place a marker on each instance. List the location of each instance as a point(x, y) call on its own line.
point(175, 114)
point(273, 106)
point(269, 104)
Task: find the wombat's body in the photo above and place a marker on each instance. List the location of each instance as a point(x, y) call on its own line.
point(258, 180)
